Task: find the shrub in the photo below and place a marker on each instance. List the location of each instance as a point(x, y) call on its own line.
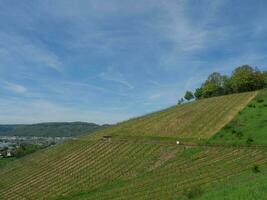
point(239, 134)
point(194, 192)
point(251, 105)
point(256, 169)
point(249, 141)
point(260, 100)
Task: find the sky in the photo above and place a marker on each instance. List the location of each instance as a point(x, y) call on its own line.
point(107, 61)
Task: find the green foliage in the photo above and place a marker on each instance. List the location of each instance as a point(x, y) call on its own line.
point(26, 149)
point(198, 93)
point(213, 86)
point(265, 78)
point(243, 79)
point(256, 169)
point(249, 141)
point(193, 192)
point(189, 95)
point(5, 161)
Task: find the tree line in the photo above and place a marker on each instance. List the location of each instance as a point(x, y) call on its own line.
point(243, 79)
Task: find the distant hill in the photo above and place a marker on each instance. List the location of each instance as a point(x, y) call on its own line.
point(55, 129)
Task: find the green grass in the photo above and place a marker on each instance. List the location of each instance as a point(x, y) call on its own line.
point(192, 121)
point(5, 161)
point(249, 186)
point(249, 127)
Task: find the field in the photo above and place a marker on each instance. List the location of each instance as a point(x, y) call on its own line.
point(200, 119)
point(152, 166)
point(111, 170)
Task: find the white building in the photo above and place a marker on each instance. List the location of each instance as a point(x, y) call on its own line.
point(8, 154)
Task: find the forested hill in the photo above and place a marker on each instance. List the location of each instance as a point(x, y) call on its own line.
point(58, 129)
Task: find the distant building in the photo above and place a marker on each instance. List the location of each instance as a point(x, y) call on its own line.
point(8, 154)
point(106, 138)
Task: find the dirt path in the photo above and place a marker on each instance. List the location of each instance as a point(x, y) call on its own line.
point(186, 145)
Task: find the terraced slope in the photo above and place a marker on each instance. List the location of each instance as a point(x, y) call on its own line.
point(200, 119)
point(123, 170)
point(89, 168)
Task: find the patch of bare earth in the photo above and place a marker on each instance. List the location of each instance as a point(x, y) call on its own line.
point(163, 158)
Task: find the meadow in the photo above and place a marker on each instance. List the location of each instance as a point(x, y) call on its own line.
point(248, 127)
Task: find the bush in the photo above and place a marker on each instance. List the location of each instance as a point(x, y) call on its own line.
point(251, 105)
point(260, 100)
point(249, 141)
point(194, 192)
point(233, 131)
point(256, 169)
point(239, 134)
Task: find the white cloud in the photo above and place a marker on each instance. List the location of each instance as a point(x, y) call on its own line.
point(113, 75)
point(40, 56)
point(15, 88)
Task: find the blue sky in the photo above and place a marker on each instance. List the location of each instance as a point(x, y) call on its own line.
point(106, 61)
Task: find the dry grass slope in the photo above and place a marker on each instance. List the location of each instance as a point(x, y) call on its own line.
point(200, 119)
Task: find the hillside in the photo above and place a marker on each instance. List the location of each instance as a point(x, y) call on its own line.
point(249, 126)
point(139, 164)
point(64, 129)
point(199, 119)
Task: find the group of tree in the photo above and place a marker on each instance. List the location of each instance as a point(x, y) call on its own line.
point(243, 79)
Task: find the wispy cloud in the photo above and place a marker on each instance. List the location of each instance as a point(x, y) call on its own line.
point(140, 56)
point(111, 74)
point(15, 88)
point(18, 50)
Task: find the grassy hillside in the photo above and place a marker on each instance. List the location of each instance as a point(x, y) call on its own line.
point(111, 170)
point(249, 126)
point(49, 129)
point(89, 168)
point(199, 119)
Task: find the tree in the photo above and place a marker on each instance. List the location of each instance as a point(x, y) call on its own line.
point(227, 86)
point(213, 86)
point(215, 78)
point(245, 78)
point(259, 79)
point(198, 93)
point(188, 95)
point(265, 78)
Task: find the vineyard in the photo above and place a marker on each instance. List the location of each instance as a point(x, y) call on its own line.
point(130, 168)
point(111, 170)
point(200, 119)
